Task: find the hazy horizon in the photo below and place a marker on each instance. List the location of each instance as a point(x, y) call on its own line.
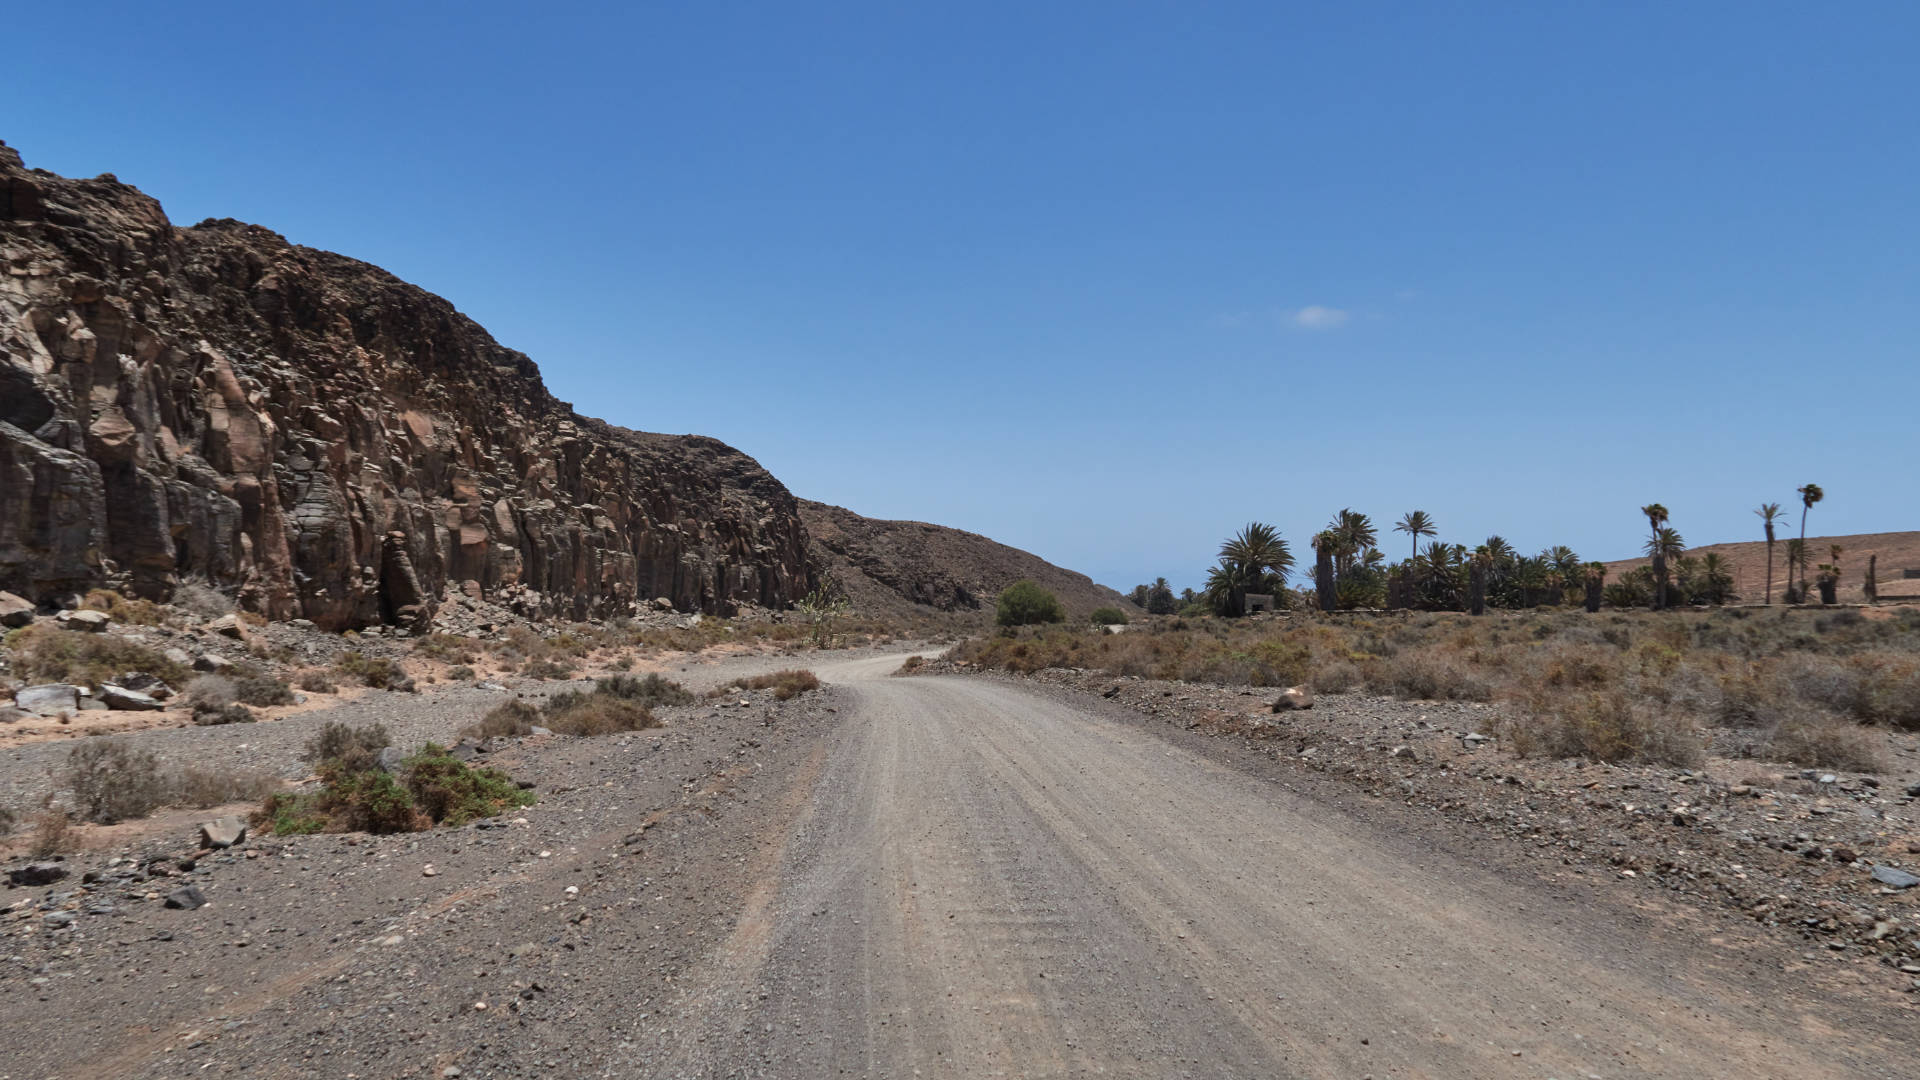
point(1105, 285)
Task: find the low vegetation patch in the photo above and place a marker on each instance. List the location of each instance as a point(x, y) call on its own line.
point(617, 703)
point(430, 787)
point(1786, 685)
point(786, 685)
point(377, 672)
point(110, 780)
point(1108, 616)
point(44, 653)
point(121, 609)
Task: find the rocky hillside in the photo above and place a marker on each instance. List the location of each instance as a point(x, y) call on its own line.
point(1898, 552)
point(324, 439)
point(904, 567)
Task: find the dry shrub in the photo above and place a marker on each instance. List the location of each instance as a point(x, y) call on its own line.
point(1825, 741)
point(447, 648)
point(46, 653)
point(1434, 673)
point(204, 786)
point(201, 599)
point(318, 681)
point(377, 672)
point(1600, 725)
point(124, 610)
point(785, 684)
point(910, 665)
point(575, 713)
point(210, 692)
point(649, 690)
point(508, 720)
point(53, 834)
point(336, 741)
point(1336, 677)
point(263, 690)
point(541, 668)
point(460, 673)
point(216, 715)
point(112, 780)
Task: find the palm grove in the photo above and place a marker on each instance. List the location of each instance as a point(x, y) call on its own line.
point(1350, 571)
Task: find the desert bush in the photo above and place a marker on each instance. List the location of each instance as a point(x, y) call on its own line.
point(201, 599)
point(451, 792)
point(460, 673)
point(53, 834)
point(8, 819)
point(911, 664)
point(262, 690)
point(1825, 741)
point(650, 690)
point(572, 712)
point(200, 786)
point(47, 653)
point(1336, 678)
point(121, 609)
point(1600, 725)
point(785, 685)
point(377, 672)
point(214, 716)
point(113, 780)
point(210, 692)
point(1024, 604)
point(356, 746)
point(316, 681)
point(432, 787)
point(541, 668)
point(624, 663)
point(447, 648)
point(1108, 616)
point(1435, 673)
point(510, 719)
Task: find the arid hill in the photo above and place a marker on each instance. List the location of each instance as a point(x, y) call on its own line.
point(900, 567)
point(323, 438)
point(1898, 551)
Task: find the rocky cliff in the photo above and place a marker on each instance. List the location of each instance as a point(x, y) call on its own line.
point(325, 439)
point(896, 567)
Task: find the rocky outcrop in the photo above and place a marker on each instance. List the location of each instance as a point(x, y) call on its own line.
point(323, 439)
point(898, 567)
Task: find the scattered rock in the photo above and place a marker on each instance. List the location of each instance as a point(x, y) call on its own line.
point(214, 664)
point(58, 920)
point(223, 832)
point(1405, 752)
point(1895, 877)
point(119, 697)
point(1294, 697)
point(14, 610)
point(48, 699)
point(187, 898)
point(92, 622)
point(229, 625)
point(39, 873)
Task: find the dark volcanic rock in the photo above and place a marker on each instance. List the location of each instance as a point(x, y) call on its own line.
point(325, 439)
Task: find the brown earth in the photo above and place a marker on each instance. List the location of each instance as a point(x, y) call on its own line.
point(1897, 551)
point(892, 568)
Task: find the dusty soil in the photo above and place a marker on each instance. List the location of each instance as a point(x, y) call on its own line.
point(943, 876)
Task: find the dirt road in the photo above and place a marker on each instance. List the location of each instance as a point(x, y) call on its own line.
point(988, 882)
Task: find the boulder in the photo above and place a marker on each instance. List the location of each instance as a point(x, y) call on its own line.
point(149, 685)
point(11, 715)
point(38, 873)
point(48, 699)
point(179, 656)
point(14, 610)
point(186, 898)
point(119, 697)
point(1294, 697)
point(88, 704)
point(1895, 877)
point(214, 664)
point(93, 622)
point(223, 832)
point(229, 625)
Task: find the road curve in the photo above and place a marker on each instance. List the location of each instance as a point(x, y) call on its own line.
point(988, 882)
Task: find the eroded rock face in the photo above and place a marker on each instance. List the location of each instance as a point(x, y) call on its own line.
point(333, 443)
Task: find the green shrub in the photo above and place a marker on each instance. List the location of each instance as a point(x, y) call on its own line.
point(1108, 616)
point(432, 787)
point(343, 742)
point(451, 792)
point(1025, 604)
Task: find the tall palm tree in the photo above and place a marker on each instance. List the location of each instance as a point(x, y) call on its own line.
point(1769, 513)
point(1595, 579)
point(1796, 558)
point(1477, 580)
point(1564, 560)
point(1325, 544)
point(1258, 559)
point(1665, 545)
point(1417, 524)
point(1656, 517)
point(1809, 494)
point(1353, 533)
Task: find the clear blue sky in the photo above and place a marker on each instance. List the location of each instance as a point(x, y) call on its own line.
point(1103, 280)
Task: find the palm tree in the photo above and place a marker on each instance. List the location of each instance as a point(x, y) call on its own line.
point(1324, 546)
point(1417, 524)
point(1477, 580)
point(1809, 494)
point(1656, 517)
point(1595, 578)
point(1665, 544)
point(1352, 533)
point(1717, 578)
point(1769, 513)
point(1796, 558)
point(1257, 560)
